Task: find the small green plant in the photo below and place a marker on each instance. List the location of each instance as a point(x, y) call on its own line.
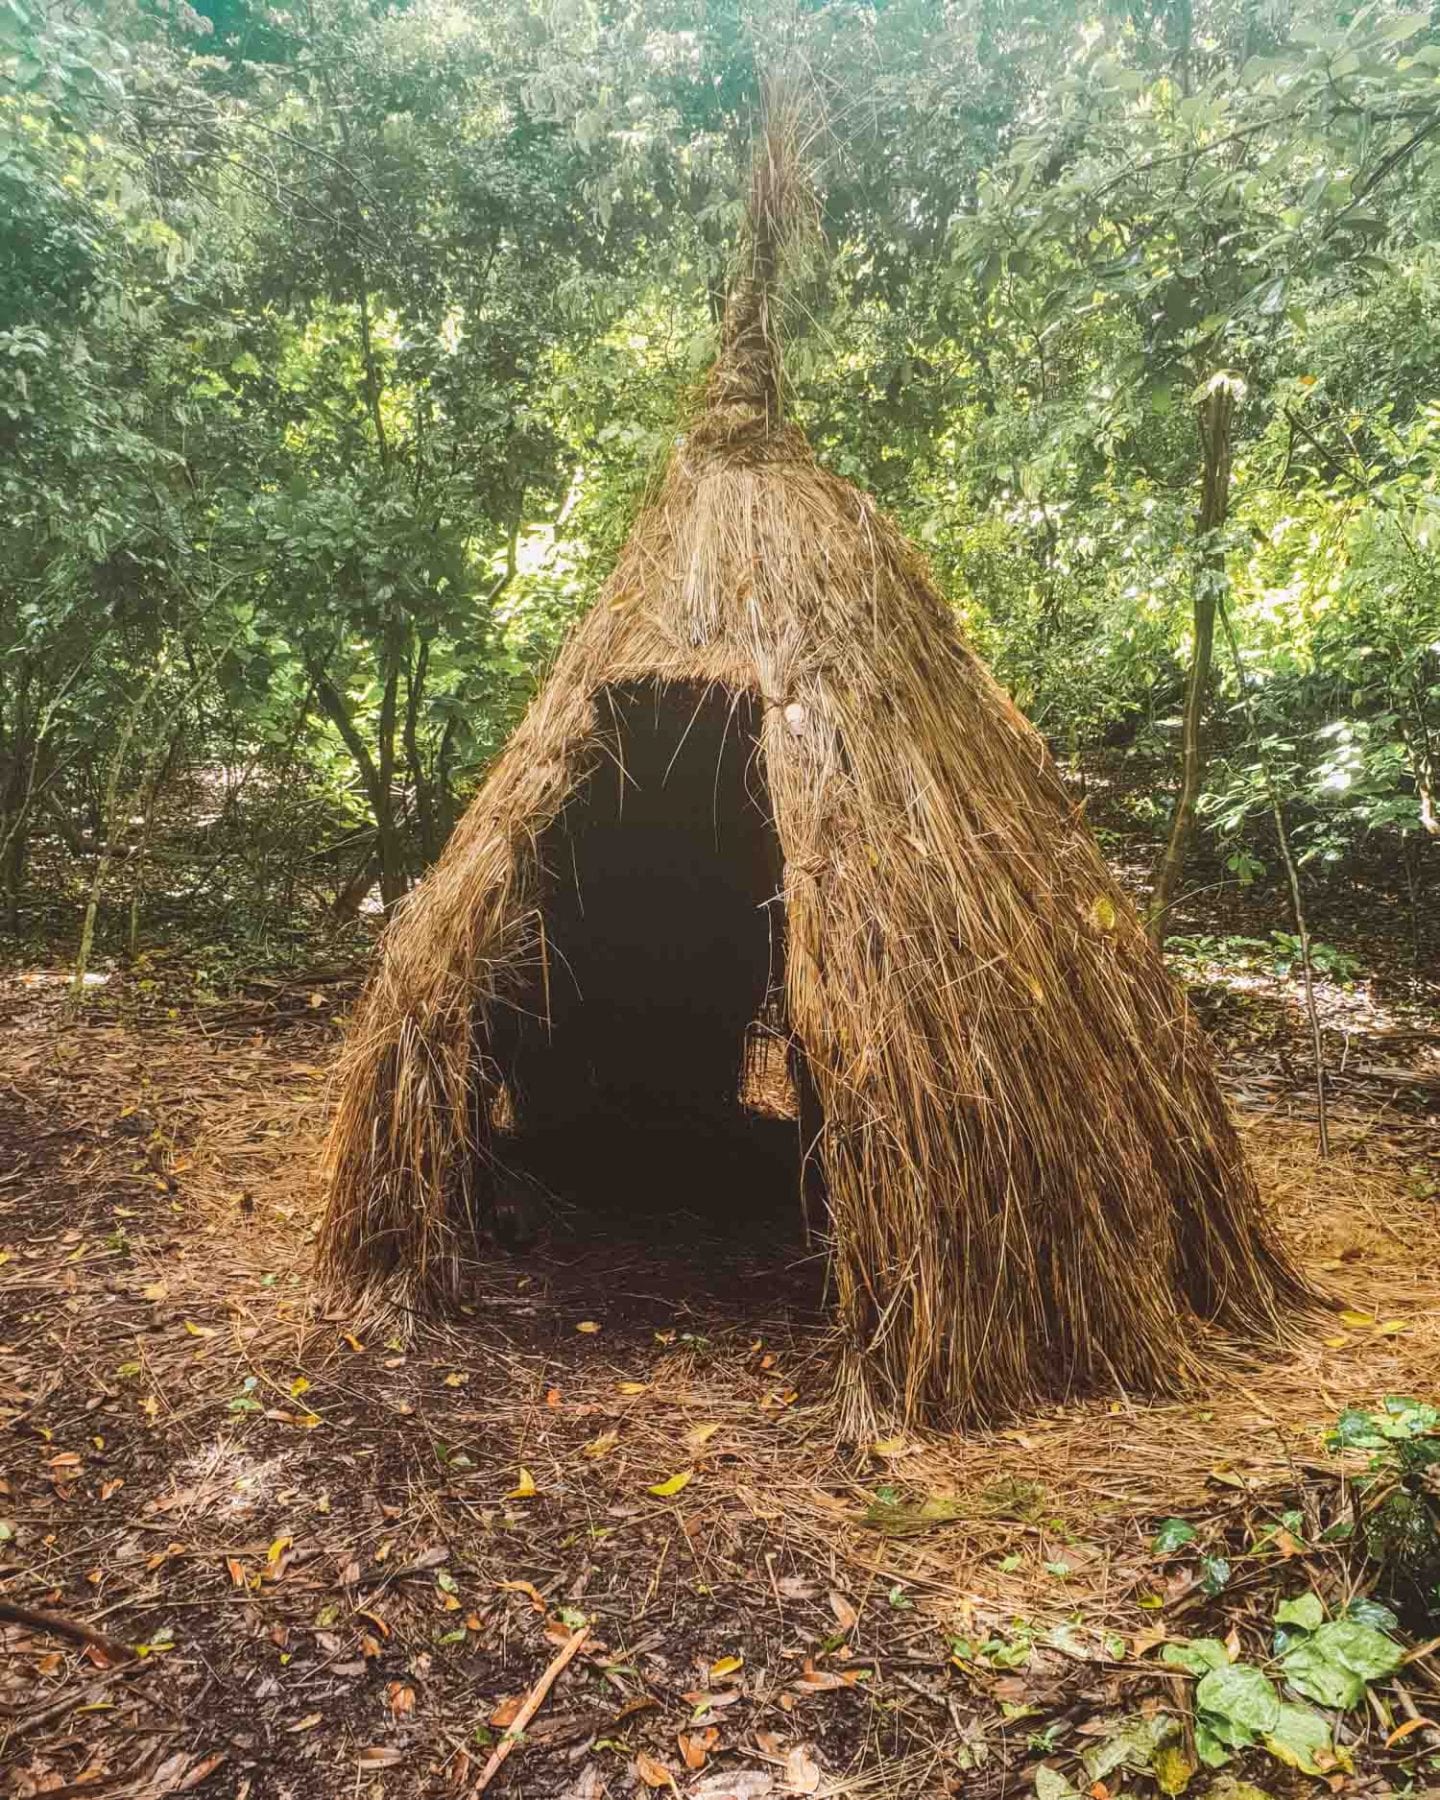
point(1331, 1661)
point(1003, 1650)
point(1397, 1511)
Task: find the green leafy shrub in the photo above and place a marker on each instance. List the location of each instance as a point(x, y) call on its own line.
point(1398, 1500)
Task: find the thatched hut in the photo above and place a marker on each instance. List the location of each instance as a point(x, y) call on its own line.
point(767, 779)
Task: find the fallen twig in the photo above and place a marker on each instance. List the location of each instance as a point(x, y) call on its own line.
point(62, 1626)
point(534, 1700)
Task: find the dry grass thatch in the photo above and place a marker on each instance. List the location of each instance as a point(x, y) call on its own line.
point(1033, 1183)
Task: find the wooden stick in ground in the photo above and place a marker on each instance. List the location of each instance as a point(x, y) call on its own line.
point(534, 1700)
point(62, 1626)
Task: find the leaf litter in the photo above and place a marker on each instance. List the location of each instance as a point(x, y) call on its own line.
point(300, 1565)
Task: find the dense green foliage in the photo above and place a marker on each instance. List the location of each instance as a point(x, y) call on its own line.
point(338, 341)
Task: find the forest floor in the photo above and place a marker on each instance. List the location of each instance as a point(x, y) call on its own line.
point(338, 1565)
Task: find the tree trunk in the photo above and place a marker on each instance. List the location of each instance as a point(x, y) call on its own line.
point(376, 772)
point(1215, 419)
point(415, 674)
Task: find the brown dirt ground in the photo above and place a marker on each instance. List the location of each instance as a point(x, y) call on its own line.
point(327, 1547)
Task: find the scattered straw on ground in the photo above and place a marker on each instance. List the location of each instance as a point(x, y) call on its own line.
point(160, 1331)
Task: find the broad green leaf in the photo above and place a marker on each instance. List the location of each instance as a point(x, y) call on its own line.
point(1238, 1697)
point(1310, 1672)
point(1133, 1743)
point(1371, 1612)
point(1305, 1611)
point(1360, 1648)
point(1050, 1784)
point(1199, 1656)
point(1301, 1739)
point(1173, 1535)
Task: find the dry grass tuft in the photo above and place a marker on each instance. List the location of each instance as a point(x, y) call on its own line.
point(1034, 1184)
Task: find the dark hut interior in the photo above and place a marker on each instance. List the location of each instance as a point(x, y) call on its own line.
point(645, 1065)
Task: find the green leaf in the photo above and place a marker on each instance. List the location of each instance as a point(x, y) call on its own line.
point(1301, 1740)
point(1241, 1702)
point(1371, 1612)
point(1050, 1784)
point(1310, 1672)
point(1305, 1611)
point(1172, 1536)
point(1216, 1574)
point(1360, 1648)
point(1208, 1747)
point(1199, 1656)
point(1396, 30)
point(1133, 1743)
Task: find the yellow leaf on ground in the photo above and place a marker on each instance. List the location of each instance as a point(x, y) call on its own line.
point(278, 1549)
point(894, 1446)
point(727, 1665)
point(455, 1379)
point(525, 1488)
point(632, 1387)
point(199, 1330)
point(600, 1446)
point(588, 1326)
point(1172, 1769)
point(664, 1489)
point(700, 1435)
point(1356, 1320)
point(1392, 1327)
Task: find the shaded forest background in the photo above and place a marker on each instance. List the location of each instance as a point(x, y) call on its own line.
point(340, 340)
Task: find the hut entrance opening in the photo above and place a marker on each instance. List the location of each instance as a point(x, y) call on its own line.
point(648, 1073)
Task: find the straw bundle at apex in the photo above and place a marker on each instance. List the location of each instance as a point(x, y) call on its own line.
point(766, 780)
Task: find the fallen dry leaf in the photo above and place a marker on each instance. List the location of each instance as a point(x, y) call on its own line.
point(507, 1711)
point(735, 1784)
point(846, 1616)
point(802, 1772)
point(529, 1589)
point(653, 1774)
point(524, 1488)
point(695, 1746)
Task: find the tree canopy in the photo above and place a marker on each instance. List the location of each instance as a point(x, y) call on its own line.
point(338, 342)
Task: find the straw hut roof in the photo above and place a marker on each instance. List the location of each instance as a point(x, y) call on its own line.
point(1031, 1182)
